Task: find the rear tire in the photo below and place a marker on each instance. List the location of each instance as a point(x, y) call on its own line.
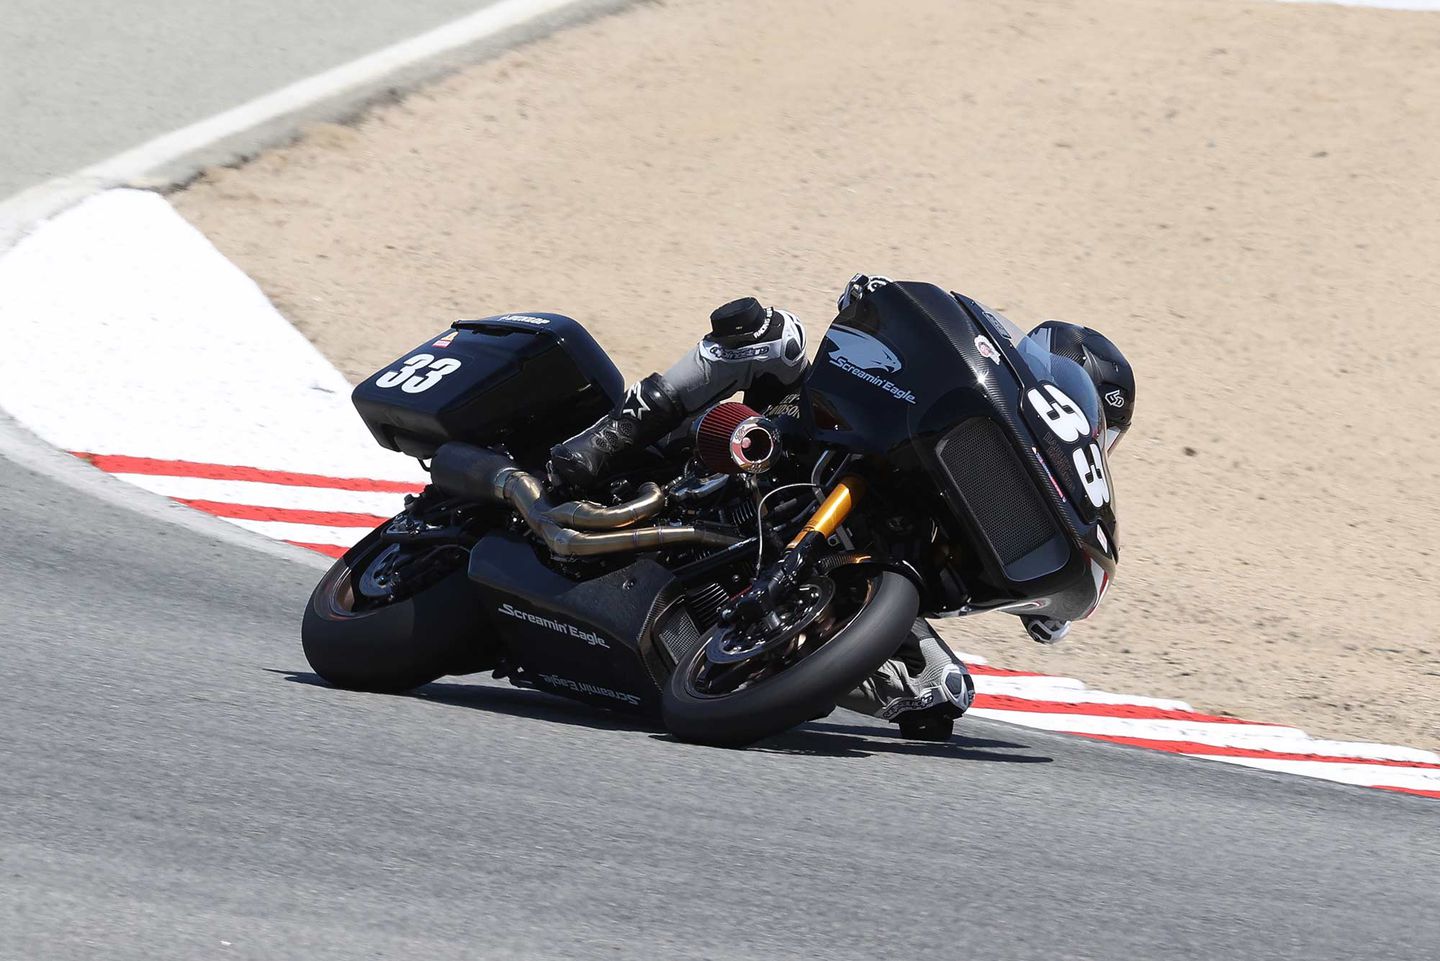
point(806, 690)
point(399, 646)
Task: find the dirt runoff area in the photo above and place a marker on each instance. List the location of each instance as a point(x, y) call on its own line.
point(1243, 195)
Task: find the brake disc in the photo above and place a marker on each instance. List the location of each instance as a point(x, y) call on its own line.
point(378, 580)
point(789, 620)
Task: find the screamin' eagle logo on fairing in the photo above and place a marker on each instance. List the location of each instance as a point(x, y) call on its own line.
point(861, 350)
point(859, 354)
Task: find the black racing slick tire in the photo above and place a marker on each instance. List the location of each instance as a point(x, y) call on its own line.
point(396, 647)
point(809, 688)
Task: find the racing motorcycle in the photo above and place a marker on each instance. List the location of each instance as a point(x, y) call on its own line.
point(740, 576)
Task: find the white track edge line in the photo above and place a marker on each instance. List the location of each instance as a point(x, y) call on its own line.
point(358, 73)
point(344, 88)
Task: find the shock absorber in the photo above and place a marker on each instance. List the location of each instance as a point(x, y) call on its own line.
point(782, 577)
point(832, 513)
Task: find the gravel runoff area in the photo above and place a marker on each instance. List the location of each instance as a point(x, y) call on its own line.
point(1243, 195)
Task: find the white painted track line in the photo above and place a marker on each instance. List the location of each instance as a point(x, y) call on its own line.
point(1169, 729)
point(1364, 775)
point(176, 156)
point(357, 74)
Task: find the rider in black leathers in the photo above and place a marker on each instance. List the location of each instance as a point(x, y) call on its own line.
point(761, 350)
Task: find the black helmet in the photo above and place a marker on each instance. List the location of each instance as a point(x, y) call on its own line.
point(1113, 377)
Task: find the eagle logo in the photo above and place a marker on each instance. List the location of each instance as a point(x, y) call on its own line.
point(860, 350)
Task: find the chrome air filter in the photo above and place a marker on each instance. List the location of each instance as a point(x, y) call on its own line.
point(731, 437)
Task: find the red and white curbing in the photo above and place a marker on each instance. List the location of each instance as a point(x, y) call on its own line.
point(321, 513)
point(1066, 705)
point(129, 340)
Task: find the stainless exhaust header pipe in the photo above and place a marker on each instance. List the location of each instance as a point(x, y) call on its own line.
point(469, 471)
point(589, 516)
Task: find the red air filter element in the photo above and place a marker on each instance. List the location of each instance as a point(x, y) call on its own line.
point(730, 438)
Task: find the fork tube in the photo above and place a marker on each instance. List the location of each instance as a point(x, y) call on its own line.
point(832, 513)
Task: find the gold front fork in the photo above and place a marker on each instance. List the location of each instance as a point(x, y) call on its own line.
point(831, 514)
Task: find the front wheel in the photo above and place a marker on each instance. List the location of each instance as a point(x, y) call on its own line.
point(366, 630)
point(732, 703)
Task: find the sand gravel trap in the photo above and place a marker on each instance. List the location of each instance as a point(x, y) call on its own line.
point(1242, 195)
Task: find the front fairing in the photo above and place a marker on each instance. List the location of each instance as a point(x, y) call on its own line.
point(1072, 448)
point(898, 375)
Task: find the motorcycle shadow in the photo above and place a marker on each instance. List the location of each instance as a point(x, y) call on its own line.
point(838, 740)
point(816, 739)
point(511, 701)
point(532, 704)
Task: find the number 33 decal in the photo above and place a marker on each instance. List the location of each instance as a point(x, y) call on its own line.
point(1070, 424)
point(409, 378)
point(1091, 468)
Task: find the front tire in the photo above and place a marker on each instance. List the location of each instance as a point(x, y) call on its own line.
point(398, 646)
point(809, 688)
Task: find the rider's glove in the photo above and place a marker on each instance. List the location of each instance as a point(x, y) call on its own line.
point(857, 288)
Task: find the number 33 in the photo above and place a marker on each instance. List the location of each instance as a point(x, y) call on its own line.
point(1091, 468)
point(408, 377)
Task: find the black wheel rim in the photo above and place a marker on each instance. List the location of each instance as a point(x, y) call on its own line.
point(707, 679)
point(368, 582)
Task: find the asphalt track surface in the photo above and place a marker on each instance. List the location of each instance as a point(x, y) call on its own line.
point(81, 80)
point(174, 784)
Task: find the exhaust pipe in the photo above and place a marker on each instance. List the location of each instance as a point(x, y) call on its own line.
point(486, 475)
point(589, 516)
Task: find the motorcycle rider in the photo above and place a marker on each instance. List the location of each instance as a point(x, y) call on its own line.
point(759, 350)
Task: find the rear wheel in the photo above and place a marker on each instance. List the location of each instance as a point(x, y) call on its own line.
point(740, 688)
point(369, 628)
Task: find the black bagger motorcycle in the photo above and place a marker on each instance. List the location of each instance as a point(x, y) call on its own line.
point(742, 575)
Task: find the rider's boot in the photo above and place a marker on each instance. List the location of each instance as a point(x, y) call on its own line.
point(749, 348)
point(924, 688)
point(649, 411)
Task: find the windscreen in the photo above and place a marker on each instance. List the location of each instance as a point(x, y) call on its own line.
point(1060, 371)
